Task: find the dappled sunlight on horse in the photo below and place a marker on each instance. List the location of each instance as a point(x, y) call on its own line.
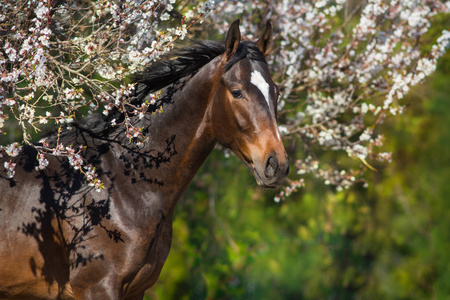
point(61, 239)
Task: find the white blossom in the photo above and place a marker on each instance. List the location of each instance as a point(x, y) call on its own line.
point(10, 169)
point(13, 149)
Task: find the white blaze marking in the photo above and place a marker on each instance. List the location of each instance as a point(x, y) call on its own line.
point(258, 80)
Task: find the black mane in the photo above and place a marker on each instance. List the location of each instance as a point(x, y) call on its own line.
point(185, 61)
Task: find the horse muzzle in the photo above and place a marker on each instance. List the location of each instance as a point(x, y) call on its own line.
point(272, 172)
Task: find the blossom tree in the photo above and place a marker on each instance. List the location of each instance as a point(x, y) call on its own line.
point(343, 68)
point(60, 58)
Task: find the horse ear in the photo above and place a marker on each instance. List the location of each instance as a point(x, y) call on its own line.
point(264, 43)
point(233, 39)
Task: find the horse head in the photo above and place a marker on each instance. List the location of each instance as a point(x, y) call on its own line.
point(245, 113)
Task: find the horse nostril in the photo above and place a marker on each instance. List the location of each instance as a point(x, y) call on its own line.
point(271, 167)
point(287, 171)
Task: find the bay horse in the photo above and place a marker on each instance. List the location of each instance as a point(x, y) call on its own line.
point(61, 239)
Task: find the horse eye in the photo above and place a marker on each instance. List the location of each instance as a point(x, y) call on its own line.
point(236, 94)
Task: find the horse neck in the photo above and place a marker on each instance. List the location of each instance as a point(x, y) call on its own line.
point(184, 128)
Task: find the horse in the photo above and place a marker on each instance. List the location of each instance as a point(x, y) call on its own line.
point(62, 239)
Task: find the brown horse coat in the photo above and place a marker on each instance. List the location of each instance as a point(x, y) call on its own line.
point(60, 239)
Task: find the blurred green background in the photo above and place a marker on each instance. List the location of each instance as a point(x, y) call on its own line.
point(388, 241)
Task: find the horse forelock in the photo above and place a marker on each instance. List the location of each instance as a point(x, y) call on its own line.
point(245, 50)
